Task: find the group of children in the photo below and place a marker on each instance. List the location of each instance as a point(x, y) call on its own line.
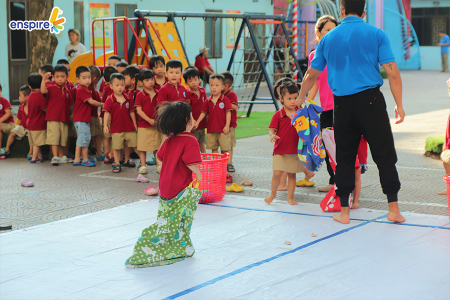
point(119, 118)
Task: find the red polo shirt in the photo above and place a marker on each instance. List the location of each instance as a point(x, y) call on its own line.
point(170, 93)
point(83, 109)
point(36, 114)
point(69, 85)
point(4, 104)
point(234, 100)
point(201, 62)
point(217, 113)
point(157, 86)
point(102, 85)
point(148, 105)
point(120, 114)
point(59, 101)
point(197, 105)
point(106, 92)
point(177, 153)
point(130, 94)
point(22, 116)
point(96, 97)
point(288, 141)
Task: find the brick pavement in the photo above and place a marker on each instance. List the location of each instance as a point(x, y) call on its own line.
point(66, 191)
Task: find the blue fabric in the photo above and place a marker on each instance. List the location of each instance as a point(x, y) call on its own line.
point(310, 147)
point(83, 133)
point(445, 40)
point(353, 51)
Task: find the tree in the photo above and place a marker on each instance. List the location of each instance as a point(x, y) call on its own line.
point(43, 42)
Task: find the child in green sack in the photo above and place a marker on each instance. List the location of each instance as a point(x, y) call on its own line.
point(168, 240)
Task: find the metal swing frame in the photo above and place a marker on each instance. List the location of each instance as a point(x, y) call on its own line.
point(246, 18)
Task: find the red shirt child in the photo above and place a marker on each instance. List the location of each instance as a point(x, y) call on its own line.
point(120, 114)
point(148, 105)
point(106, 92)
point(157, 86)
point(59, 101)
point(171, 93)
point(197, 105)
point(22, 116)
point(4, 104)
point(234, 100)
point(217, 113)
point(36, 115)
point(288, 141)
point(83, 110)
point(96, 97)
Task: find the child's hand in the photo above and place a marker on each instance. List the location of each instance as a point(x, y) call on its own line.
point(273, 138)
point(152, 122)
point(47, 75)
point(226, 129)
point(195, 126)
point(106, 130)
point(101, 121)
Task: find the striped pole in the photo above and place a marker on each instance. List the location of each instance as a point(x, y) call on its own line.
point(295, 31)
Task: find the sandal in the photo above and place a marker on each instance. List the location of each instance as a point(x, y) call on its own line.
point(151, 191)
point(305, 183)
point(229, 179)
point(246, 182)
point(230, 168)
point(77, 163)
point(3, 152)
point(151, 162)
point(27, 183)
point(55, 161)
point(88, 163)
point(129, 164)
point(235, 188)
point(142, 170)
point(142, 179)
point(29, 156)
point(116, 168)
point(101, 157)
point(108, 159)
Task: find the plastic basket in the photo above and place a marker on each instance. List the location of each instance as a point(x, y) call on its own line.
point(214, 173)
point(447, 179)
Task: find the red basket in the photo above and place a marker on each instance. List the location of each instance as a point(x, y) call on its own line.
point(447, 179)
point(214, 173)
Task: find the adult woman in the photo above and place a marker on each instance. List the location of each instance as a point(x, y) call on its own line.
point(74, 48)
point(202, 64)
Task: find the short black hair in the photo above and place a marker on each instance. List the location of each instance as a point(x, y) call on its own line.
point(229, 78)
point(441, 31)
point(116, 76)
point(115, 57)
point(355, 7)
point(34, 81)
point(218, 76)
point(60, 68)
point(122, 64)
point(173, 117)
point(174, 64)
point(155, 59)
point(46, 68)
point(108, 71)
point(290, 88)
point(278, 84)
point(131, 71)
point(63, 61)
point(81, 69)
point(190, 72)
point(1, 88)
point(95, 71)
point(146, 74)
point(25, 89)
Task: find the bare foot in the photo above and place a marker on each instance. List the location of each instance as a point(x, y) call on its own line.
point(443, 193)
point(292, 202)
point(355, 205)
point(282, 188)
point(396, 217)
point(341, 219)
point(309, 175)
point(269, 199)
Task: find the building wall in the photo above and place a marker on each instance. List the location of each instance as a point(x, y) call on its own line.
point(421, 3)
point(431, 58)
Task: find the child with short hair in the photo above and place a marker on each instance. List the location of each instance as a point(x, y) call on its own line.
point(107, 91)
point(96, 128)
point(228, 92)
point(197, 96)
point(37, 126)
point(6, 119)
point(157, 65)
point(82, 116)
point(44, 69)
point(130, 73)
point(59, 109)
point(21, 128)
point(121, 65)
point(148, 135)
point(169, 242)
point(119, 108)
point(285, 151)
point(66, 63)
point(113, 60)
point(218, 109)
point(173, 90)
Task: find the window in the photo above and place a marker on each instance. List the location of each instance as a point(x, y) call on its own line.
point(428, 21)
point(18, 38)
point(213, 37)
point(124, 10)
point(78, 21)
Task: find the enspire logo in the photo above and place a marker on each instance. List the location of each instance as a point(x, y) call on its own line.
point(54, 24)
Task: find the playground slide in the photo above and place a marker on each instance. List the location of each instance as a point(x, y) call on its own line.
point(85, 59)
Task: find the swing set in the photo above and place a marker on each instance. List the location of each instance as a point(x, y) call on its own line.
point(261, 60)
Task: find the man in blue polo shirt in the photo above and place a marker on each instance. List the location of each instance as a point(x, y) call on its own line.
point(445, 45)
point(352, 53)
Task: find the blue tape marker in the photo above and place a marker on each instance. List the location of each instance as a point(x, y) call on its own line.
point(246, 268)
point(30, 192)
point(85, 202)
point(322, 216)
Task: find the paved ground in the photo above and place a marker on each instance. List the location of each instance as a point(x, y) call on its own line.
point(66, 191)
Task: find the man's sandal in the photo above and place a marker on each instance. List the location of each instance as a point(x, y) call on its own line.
point(230, 168)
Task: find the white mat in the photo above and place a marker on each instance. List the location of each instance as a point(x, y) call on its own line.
point(240, 254)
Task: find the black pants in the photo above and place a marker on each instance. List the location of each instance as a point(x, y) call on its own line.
point(364, 114)
point(326, 120)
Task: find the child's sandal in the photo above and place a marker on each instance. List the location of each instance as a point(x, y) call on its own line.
point(116, 168)
point(230, 168)
point(129, 164)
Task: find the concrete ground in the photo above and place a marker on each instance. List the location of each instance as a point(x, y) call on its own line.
point(66, 191)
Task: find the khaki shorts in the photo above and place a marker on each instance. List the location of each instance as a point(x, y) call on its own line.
point(7, 127)
point(57, 133)
point(20, 132)
point(148, 139)
point(96, 129)
point(200, 135)
point(123, 138)
point(107, 136)
point(214, 140)
point(162, 137)
point(445, 156)
point(233, 137)
point(37, 138)
point(287, 163)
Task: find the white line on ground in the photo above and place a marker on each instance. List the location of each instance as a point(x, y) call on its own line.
point(94, 174)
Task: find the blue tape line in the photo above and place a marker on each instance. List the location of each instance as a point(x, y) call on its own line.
point(246, 268)
point(322, 216)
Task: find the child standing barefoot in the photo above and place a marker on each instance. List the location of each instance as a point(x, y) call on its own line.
point(168, 240)
point(285, 158)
